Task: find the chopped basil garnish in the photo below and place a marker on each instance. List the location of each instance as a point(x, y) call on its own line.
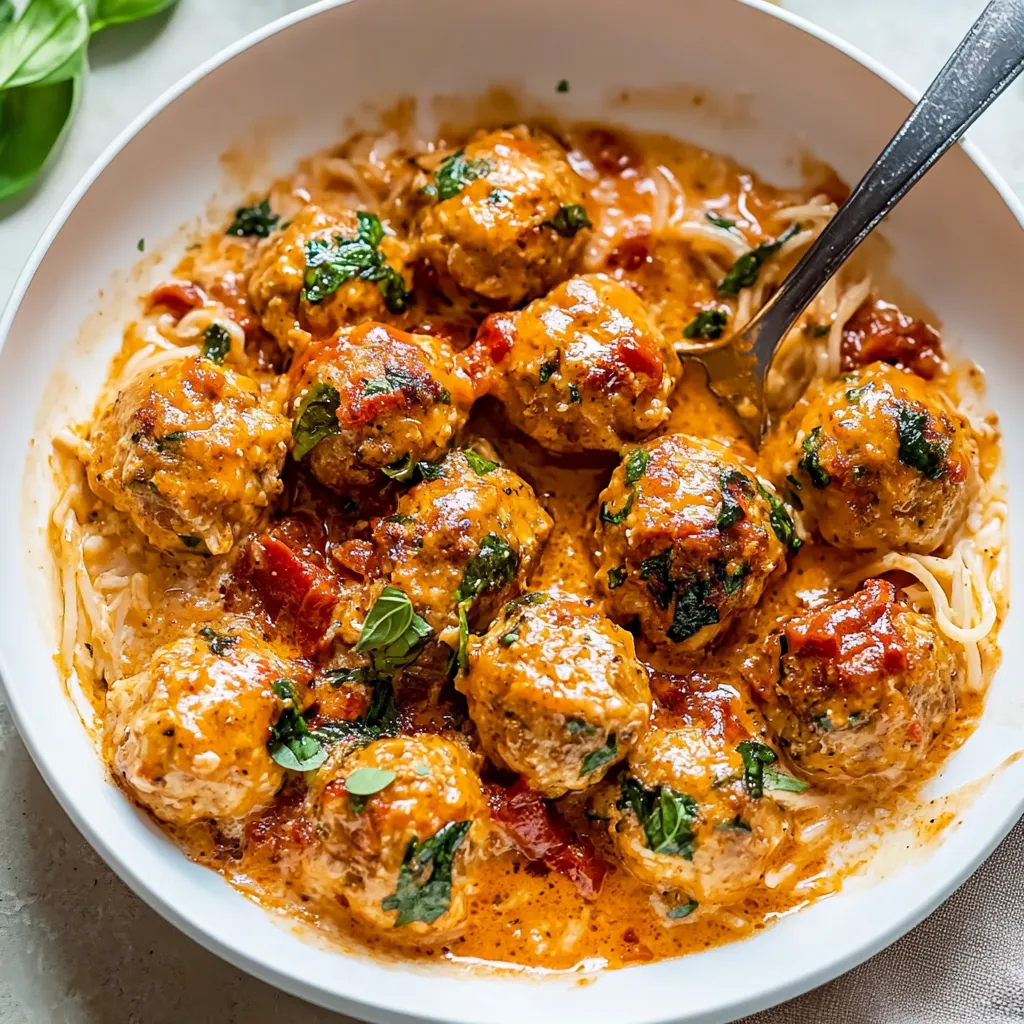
point(330, 264)
point(315, 419)
point(424, 890)
point(734, 578)
point(574, 394)
point(693, 611)
point(681, 910)
point(254, 221)
point(216, 343)
point(720, 221)
point(509, 638)
point(393, 634)
point(455, 173)
point(170, 443)
point(578, 727)
point(401, 469)
point(731, 511)
point(571, 217)
point(708, 324)
point(546, 370)
point(810, 462)
point(616, 577)
point(758, 773)
point(563, 85)
point(669, 818)
point(779, 518)
point(916, 449)
point(499, 197)
point(339, 677)
point(366, 782)
point(744, 272)
point(617, 518)
point(219, 643)
point(291, 743)
point(462, 653)
point(636, 465)
point(853, 394)
point(478, 463)
point(493, 566)
point(600, 757)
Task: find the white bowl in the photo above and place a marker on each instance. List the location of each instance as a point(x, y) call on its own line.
point(772, 87)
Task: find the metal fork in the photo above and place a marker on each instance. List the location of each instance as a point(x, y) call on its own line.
point(988, 59)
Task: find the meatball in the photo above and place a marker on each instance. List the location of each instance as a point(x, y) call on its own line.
point(328, 268)
point(470, 534)
point(864, 686)
point(505, 216)
point(374, 398)
point(388, 854)
point(192, 452)
point(688, 538)
point(583, 368)
point(189, 732)
point(556, 692)
point(698, 815)
point(878, 459)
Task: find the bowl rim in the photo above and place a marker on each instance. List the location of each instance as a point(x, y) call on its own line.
point(262, 967)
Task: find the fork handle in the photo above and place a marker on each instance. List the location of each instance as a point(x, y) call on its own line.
point(988, 59)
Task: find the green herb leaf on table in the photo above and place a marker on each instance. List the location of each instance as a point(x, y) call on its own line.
point(256, 221)
point(315, 419)
point(291, 744)
point(424, 890)
point(103, 13)
point(6, 13)
point(45, 45)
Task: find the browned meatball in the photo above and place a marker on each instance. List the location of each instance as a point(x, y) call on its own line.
point(192, 452)
point(373, 398)
point(879, 459)
point(471, 532)
point(387, 853)
point(699, 816)
point(504, 216)
point(556, 692)
point(583, 368)
point(326, 269)
point(189, 732)
point(864, 686)
point(688, 537)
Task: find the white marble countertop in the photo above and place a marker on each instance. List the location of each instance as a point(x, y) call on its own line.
point(77, 947)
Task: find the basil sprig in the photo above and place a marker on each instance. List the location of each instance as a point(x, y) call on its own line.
point(424, 890)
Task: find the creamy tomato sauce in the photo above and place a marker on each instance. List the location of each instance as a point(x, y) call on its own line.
point(540, 882)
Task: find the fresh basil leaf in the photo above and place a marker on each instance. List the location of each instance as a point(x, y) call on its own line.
point(478, 463)
point(547, 369)
point(656, 572)
point(45, 45)
point(720, 221)
point(681, 910)
point(744, 272)
point(810, 461)
point(216, 343)
point(617, 518)
point(636, 465)
point(774, 779)
point(570, 219)
point(369, 781)
point(219, 643)
point(455, 173)
point(117, 12)
point(393, 633)
point(917, 450)
point(600, 757)
point(6, 13)
point(256, 221)
point(693, 611)
point(315, 419)
point(33, 120)
point(669, 818)
point(524, 601)
point(424, 890)
point(329, 265)
point(756, 757)
point(291, 744)
point(708, 324)
point(780, 519)
point(731, 511)
point(493, 566)
point(734, 578)
point(616, 577)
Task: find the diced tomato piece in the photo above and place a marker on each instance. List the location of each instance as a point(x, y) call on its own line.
point(879, 332)
point(858, 633)
point(497, 335)
point(542, 834)
point(641, 357)
point(293, 586)
point(358, 556)
point(180, 297)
